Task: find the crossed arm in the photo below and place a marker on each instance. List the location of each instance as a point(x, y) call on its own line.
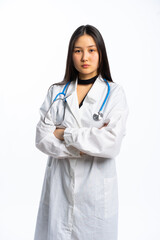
point(74, 141)
point(59, 132)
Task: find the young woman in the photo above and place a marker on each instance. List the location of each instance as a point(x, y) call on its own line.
point(81, 128)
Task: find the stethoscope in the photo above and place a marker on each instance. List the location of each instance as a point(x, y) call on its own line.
point(62, 96)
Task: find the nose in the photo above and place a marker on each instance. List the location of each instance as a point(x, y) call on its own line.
point(84, 56)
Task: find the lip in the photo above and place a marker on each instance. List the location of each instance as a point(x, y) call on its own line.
point(85, 65)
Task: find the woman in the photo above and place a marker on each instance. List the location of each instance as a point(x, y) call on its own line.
point(79, 199)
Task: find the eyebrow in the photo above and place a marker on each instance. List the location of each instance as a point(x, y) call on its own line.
point(88, 46)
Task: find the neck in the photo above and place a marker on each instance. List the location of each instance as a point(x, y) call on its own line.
point(87, 81)
point(87, 76)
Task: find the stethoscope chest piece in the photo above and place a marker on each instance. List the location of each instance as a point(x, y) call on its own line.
point(98, 116)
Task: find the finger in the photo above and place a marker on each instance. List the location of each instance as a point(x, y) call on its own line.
point(104, 125)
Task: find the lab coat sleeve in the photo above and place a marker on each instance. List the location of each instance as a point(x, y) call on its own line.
point(104, 142)
point(45, 139)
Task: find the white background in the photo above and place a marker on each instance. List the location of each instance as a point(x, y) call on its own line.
point(34, 37)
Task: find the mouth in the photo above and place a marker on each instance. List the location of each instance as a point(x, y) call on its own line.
point(85, 65)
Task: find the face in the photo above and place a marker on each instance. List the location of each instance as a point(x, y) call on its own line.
point(86, 57)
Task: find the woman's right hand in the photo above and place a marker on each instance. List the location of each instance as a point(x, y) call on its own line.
point(58, 133)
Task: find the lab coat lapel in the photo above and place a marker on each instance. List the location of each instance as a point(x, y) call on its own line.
point(94, 96)
point(96, 91)
point(72, 102)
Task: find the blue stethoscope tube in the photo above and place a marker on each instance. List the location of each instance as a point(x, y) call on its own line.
point(96, 116)
point(63, 92)
point(106, 96)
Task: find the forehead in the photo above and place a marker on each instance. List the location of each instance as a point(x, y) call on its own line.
point(84, 41)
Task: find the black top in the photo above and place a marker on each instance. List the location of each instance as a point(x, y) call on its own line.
point(85, 82)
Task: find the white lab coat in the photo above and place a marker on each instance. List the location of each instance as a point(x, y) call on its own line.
point(79, 198)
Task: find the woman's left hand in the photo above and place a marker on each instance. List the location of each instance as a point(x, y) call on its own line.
point(58, 133)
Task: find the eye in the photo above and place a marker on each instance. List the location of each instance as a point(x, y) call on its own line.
point(91, 50)
point(77, 51)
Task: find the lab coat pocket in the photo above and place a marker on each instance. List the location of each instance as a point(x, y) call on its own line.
point(110, 197)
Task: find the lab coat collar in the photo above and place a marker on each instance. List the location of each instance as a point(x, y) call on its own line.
point(92, 96)
point(96, 90)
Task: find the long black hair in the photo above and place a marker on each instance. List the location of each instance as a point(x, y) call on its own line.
point(71, 72)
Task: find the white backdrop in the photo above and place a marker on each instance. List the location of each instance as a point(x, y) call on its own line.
point(34, 37)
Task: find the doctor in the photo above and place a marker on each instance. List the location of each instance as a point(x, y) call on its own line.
point(79, 199)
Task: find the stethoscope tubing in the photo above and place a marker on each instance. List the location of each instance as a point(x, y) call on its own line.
point(64, 98)
point(106, 96)
point(62, 93)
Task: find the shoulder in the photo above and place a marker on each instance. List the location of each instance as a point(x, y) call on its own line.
point(118, 97)
point(116, 89)
point(55, 89)
point(55, 86)
point(117, 94)
point(67, 87)
point(113, 85)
